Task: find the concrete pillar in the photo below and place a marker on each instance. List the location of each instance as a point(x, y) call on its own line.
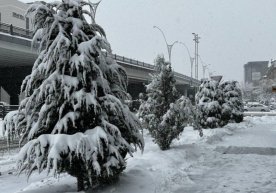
point(11, 79)
point(182, 89)
point(135, 88)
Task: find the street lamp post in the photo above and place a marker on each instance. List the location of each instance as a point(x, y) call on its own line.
point(169, 46)
point(196, 39)
point(191, 58)
point(93, 10)
point(204, 69)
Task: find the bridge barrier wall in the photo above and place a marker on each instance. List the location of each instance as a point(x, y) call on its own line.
point(5, 109)
point(4, 96)
point(13, 30)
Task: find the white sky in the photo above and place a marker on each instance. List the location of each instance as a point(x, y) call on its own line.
point(232, 32)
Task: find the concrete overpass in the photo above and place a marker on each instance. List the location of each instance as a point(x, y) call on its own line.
point(17, 59)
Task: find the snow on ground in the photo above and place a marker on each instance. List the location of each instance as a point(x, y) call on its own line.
point(236, 158)
point(1, 129)
point(10, 182)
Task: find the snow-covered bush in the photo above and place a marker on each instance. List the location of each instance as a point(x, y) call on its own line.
point(180, 114)
point(232, 107)
point(73, 118)
point(161, 112)
point(208, 102)
point(9, 128)
point(261, 93)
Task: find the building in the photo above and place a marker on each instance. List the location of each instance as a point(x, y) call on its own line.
point(13, 12)
point(271, 71)
point(254, 71)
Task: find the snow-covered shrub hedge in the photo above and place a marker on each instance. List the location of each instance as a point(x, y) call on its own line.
point(208, 102)
point(73, 118)
point(219, 104)
point(161, 112)
point(9, 128)
point(232, 107)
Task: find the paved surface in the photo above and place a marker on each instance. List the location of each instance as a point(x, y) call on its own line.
point(259, 114)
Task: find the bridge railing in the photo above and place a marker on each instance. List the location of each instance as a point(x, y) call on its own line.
point(189, 79)
point(129, 60)
point(150, 66)
point(13, 30)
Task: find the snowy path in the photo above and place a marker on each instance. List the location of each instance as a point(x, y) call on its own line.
point(244, 162)
point(229, 173)
point(260, 133)
point(196, 165)
point(217, 163)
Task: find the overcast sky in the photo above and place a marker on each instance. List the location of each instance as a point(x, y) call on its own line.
point(232, 32)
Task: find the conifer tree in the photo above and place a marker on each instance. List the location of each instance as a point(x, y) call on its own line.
point(232, 107)
point(208, 102)
point(162, 113)
point(73, 118)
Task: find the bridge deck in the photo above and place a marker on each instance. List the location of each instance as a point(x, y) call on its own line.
point(18, 36)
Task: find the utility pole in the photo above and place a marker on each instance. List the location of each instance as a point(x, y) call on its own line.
point(196, 40)
point(169, 46)
point(93, 10)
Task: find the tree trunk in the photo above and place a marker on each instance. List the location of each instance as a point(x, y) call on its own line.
point(80, 182)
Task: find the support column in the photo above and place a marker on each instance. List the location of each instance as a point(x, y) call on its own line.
point(134, 89)
point(11, 79)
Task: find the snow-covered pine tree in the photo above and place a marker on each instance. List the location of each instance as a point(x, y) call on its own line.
point(180, 114)
point(232, 107)
point(161, 92)
point(73, 118)
point(194, 118)
point(208, 102)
